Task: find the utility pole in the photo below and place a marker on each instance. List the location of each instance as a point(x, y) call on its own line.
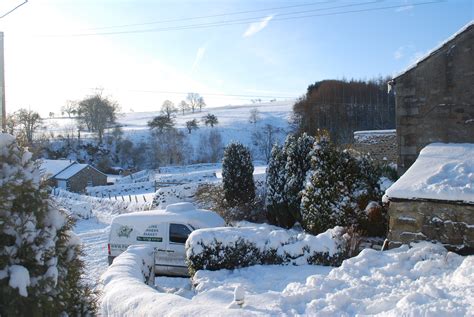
point(3, 111)
point(2, 86)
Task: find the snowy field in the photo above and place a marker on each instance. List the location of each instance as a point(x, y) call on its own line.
point(233, 123)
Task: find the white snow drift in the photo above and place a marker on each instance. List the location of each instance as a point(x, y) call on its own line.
point(425, 280)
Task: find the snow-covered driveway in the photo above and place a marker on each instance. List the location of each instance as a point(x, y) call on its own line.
point(94, 235)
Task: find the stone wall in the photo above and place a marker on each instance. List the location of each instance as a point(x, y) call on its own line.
point(88, 176)
point(435, 99)
point(452, 224)
point(380, 144)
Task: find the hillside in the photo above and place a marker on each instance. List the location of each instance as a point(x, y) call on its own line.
point(233, 124)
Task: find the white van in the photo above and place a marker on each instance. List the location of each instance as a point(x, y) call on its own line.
point(167, 230)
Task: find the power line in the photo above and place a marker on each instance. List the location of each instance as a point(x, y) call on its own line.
point(207, 16)
point(249, 20)
point(4, 15)
point(202, 93)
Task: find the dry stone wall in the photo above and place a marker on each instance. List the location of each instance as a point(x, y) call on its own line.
point(452, 224)
point(380, 144)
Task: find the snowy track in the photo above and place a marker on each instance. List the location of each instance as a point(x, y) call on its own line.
point(94, 237)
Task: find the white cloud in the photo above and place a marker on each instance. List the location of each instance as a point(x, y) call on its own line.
point(405, 8)
point(399, 53)
point(257, 26)
point(197, 60)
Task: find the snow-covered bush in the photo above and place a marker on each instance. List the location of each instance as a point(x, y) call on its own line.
point(251, 244)
point(339, 186)
point(275, 203)
point(211, 196)
point(40, 268)
point(237, 175)
point(174, 194)
point(121, 189)
point(297, 151)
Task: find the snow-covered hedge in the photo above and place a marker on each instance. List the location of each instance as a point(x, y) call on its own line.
point(251, 244)
point(127, 283)
point(174, 194)
point(102, 208)
point(121, 189)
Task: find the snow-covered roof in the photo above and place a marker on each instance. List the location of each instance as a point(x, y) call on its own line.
point(441, 172)
point(52, 167)
point(71, 171)
point(196, 217)
point(434, 50)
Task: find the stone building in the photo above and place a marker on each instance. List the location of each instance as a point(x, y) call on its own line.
point(434, 199)
point(72, 176)
point(435, 98)
point(380, 144)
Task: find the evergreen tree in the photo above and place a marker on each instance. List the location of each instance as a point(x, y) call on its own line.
point(237, 175)
point(338, 188)
point(40, 268)
point(275, 202)
point(297, 165)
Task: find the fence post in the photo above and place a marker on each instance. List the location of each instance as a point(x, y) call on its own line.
point(130, 198)
point(144, 198)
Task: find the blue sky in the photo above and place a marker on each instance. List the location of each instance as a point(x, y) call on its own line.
point(47, 62)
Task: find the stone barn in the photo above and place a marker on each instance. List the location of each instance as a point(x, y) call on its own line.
point(435, 98)
point(434, 199)
point(72, 176)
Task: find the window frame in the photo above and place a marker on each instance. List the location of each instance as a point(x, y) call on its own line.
point(178, 224)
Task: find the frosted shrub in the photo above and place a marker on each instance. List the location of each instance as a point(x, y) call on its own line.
point(260, 244)
point(286, 174)
point(338, 188)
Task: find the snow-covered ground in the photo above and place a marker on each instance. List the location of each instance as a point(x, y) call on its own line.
point(425, 280)
point(95, 230)
point(233, 123)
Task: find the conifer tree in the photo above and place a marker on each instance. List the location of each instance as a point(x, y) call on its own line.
point(275, 202)
point(237, 175)
point(338, 188)
point(297, 165)
point(40, 268)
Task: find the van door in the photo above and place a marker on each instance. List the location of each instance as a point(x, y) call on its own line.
point(176, 256)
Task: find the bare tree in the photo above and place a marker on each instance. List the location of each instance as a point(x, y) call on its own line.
point(51, 114)
point(183, 106)
point(70, 108)
point(168, 108)
point(210, 119)
point(191, 125)
point(201, 103)
point(97, 113)
point(28, 122)
point(265, 139)
point(254, 116)
point(194, 100)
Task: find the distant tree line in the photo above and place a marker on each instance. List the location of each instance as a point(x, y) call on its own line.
point(342, 107)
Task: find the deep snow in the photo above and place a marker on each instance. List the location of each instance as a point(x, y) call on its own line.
point(425, 280)
point(441, 171)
